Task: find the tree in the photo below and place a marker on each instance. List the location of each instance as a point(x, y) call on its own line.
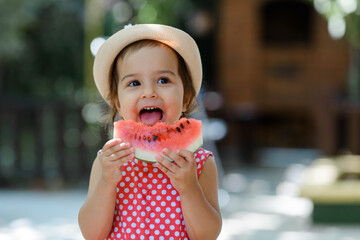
point(343, 18)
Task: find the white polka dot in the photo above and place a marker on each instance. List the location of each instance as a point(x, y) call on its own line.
point(177, 233)
point(152, 215)
point(157, 220)
point(178, 198)
point(167, 221)
point(128, 230)
point(128, 168)
point(156, 170)
point(126, 190)
point(145, 169)
point(142, 225)
point(152, 226)
point(132, 184)
point(168, 209)
point(178, 210)
point(117, 189)
point(163, 192)
point(173, 192)
point(167, 233)
point(149, 186)
point(124, 213)
point(134, 214)
point(164, 180)
point(127, 179)
point(153, 203)
point(172, 227)
point(168, 198)
point(162, 215)
point(158, 209)
point(159, 186)
point(157, 232)
point(163, 203)
point(153, 192)
point(154, 181)
point(133, 225)
point(129, 219)
point(150, 175)
point(121, 195)
point(177, 222)
point(118, 235)
point(140, 174)
point(173, 204)
point(145, 180)
point(169, 186)
point(131, 196)
point(160, 175)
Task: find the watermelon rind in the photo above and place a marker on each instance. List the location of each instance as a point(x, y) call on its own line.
point(147, 156)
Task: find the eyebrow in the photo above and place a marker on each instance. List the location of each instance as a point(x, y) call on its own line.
point(160, 72)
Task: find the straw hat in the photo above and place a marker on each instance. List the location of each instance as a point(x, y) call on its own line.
point(177, 39)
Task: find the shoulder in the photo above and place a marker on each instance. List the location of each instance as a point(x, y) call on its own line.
point(203, 156)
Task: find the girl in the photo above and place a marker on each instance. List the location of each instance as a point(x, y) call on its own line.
point(150, 73)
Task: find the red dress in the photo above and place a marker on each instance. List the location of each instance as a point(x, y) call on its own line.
point(147, 205)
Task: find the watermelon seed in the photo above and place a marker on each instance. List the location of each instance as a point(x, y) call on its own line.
point(188, 121)
point(155, 138)
point(181, 125)
point(149, 139)
point(178, 129)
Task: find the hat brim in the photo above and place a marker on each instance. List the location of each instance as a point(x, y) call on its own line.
point(175, 38)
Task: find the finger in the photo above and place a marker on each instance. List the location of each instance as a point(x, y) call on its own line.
point(164, 169)
point(121, 154)
point(179, 160)
point(116, 148)
point(187, 155)
point(164, 162)
point(111, 143)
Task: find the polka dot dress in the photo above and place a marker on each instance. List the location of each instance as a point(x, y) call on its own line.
point(147, 205)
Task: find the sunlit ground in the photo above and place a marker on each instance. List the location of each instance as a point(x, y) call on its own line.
point(258, 204)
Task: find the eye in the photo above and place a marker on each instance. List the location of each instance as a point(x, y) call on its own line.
point(163, 80)
point(134, 83)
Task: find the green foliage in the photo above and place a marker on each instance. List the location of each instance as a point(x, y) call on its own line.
point(171, 12)
point(41, 47)
point(347, 11)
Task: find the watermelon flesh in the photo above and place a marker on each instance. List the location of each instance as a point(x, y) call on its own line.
point(149, 141)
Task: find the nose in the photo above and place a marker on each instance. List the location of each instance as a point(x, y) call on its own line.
point(149, 91)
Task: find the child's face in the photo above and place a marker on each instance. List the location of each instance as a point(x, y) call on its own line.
point(150, 88)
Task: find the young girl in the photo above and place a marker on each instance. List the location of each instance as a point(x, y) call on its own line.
point(150, 73)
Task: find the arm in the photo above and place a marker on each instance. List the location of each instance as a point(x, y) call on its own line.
point(199, 199)
point(96, 215)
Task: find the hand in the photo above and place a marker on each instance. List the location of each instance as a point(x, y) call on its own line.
point(183, 174)
point(113, 155)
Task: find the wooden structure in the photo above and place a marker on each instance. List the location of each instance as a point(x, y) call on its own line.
point(279, 68)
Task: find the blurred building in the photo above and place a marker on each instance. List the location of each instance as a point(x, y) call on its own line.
point(282, 77)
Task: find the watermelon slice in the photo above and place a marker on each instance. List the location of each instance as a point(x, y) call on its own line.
point(149, 141)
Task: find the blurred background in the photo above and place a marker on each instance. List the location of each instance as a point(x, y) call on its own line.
point(280, 104)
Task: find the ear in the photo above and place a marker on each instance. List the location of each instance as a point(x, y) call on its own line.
point(184, 107)
point(117, 105)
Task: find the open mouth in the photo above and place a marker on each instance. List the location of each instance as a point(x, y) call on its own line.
point(151, 115)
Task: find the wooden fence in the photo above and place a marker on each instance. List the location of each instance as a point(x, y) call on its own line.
point(46, 144)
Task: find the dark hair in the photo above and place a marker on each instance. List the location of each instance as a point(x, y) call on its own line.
point(189, 91)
